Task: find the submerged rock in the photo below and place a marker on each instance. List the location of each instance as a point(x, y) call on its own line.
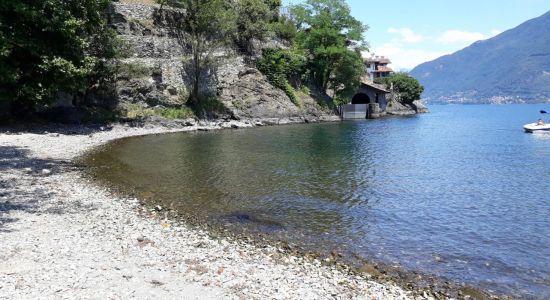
point(255, 223)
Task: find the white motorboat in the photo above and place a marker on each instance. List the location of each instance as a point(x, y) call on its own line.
point(536, 127)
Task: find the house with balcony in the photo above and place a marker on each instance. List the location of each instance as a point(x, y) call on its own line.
point(377, 67)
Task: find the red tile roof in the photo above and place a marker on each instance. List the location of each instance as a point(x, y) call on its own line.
point(384, 69)
point(380, 60)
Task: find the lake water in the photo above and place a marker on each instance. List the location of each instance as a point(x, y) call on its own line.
point(461, 193)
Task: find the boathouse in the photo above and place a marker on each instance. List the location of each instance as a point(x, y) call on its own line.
point(368, 102)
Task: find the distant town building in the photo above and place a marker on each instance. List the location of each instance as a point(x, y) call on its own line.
point(377, 67)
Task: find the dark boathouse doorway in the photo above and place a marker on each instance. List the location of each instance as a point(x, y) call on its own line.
point(360, 98)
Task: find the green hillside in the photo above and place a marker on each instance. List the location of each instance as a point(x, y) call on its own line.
point(513, 67)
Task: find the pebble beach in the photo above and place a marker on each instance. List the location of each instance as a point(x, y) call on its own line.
point(65, 236)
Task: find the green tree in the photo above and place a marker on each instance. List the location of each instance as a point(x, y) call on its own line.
point(408, 88)
point(206, 28)
point(274, 7)
point(283, 67)
point(284, 29)
point(332, 39)
point(347, 74)
point(252, 23)
point(47, 47)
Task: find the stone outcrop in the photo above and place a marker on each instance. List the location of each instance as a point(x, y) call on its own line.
point(154, 71)
point(395, 107)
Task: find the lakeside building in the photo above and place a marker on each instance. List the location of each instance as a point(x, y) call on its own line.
point(377, 67)
point(369, 101)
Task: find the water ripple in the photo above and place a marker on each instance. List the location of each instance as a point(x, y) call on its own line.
point(461, 192)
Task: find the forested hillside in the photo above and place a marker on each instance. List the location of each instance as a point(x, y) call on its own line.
point(513, 67)
point(178, 58)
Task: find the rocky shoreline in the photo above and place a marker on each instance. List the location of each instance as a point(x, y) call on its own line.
point(64, 236)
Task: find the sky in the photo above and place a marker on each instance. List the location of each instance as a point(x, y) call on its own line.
point(412, 32)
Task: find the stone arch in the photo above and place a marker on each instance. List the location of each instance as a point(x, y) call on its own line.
point(360, 98)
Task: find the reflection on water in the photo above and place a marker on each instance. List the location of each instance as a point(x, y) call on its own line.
point(461, 192)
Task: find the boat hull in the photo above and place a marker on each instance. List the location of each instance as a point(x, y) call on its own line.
point(533, 127)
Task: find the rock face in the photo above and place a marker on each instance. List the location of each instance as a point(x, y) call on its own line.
point(152, 71)
point(248, 94)
point(396, 108)
point(155, 71)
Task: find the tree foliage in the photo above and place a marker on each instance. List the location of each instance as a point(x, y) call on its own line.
point(283, 67)
point(256, 18)
point(49, 46)
point(283, 29)
point(408, 88)
point(332, 40)
point(207, 27)
point(274, 7)
point(252, 23)
point(347, 73)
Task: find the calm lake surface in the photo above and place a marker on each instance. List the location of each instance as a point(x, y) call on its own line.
point(461, 192)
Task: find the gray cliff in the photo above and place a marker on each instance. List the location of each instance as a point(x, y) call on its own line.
point(153, 72)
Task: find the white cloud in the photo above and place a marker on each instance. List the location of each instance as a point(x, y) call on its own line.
point(407, 34)
point(405, 59)
point(460, 37)
point(405, 56)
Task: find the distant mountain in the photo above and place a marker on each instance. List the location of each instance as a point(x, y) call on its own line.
point(512, 67)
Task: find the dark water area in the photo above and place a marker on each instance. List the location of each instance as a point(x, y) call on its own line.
point(462, 193)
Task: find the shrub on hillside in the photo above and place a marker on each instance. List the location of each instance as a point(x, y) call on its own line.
point(408, 88)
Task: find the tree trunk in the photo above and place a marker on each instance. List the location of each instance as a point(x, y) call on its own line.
point(198, 71)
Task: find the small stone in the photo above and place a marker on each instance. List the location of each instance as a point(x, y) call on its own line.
point(158, 208)
point(27, 170)
point(46, 172)
point(190, 122)
point(156, 282)
point(143, 241)
point(369, 269)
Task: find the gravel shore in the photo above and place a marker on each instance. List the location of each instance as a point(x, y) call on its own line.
point(63, 236)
